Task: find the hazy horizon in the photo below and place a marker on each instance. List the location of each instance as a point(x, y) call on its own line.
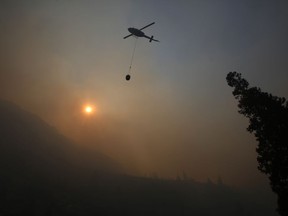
point(177, 112)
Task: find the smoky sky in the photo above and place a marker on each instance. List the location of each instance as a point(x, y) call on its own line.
point(176, 113)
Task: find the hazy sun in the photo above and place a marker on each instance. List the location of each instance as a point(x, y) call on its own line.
point(88, 109)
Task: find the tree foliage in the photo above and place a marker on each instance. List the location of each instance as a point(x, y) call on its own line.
point(268, 121)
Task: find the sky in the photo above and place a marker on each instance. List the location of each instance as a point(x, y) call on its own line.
point(177, 112)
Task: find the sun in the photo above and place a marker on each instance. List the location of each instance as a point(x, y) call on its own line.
point(88, 109)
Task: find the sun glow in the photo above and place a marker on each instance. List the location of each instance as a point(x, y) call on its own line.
point(88, 109)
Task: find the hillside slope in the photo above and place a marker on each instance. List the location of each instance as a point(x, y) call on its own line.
point(43, 173)
point(28, 145)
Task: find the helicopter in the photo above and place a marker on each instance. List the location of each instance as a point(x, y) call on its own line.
point(139, 33)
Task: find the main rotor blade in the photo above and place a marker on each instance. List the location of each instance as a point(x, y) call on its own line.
point(147, 25)
point(127, 36)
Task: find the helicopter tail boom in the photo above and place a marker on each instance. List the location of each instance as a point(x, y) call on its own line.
point(152, 39)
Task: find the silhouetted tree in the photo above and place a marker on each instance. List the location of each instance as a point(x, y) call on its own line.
point(184, 176)
point(268, 118)
point(209, 182)
point(178, 178)
point(220, 181)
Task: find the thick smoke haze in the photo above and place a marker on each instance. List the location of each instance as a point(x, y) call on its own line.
point(176, 113)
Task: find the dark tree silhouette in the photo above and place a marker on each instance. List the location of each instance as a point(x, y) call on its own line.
point(268, 118)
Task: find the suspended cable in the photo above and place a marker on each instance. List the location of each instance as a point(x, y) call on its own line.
point(132, 58)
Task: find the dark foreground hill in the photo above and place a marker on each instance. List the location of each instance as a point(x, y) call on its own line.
point(43, 173)
point(27, 143)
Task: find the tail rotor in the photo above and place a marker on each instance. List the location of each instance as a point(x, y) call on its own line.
point(152, 39)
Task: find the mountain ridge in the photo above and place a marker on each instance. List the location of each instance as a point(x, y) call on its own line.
point(28, 141)
point(43, 173)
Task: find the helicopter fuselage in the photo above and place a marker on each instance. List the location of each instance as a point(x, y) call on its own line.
point(136, 32)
